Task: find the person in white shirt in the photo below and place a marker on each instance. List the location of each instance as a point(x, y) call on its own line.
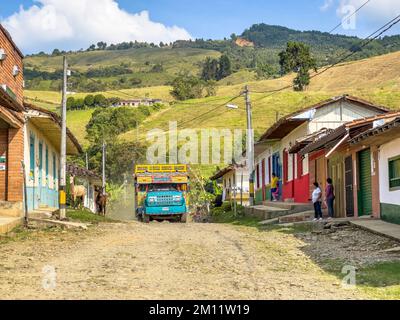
point(317, 201)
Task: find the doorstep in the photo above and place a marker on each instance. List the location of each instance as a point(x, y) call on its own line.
point(9, 223)
point(380, 227)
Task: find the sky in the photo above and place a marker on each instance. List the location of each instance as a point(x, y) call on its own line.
point(42, 25)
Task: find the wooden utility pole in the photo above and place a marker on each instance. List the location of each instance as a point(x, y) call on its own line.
point(250, 144)
point(104, 168)
point(241, 189)
point(63, 155)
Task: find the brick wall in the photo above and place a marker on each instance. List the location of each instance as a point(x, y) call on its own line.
point(6, 67)
point(15, 155)
point(3, 151)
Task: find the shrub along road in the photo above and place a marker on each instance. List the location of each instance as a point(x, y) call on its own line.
point(164, 261)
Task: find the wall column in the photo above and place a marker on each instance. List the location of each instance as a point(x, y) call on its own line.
point(376, 206)
point(15, 156)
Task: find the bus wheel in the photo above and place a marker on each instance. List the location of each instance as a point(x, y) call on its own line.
point(184, 218)
point(146, 218)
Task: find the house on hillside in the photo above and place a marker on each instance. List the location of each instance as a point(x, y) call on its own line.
point(348, 166)
point(137, 102)
point(28, 135)
point(280, 145)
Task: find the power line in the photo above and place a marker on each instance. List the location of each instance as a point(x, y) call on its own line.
point(209, 111)
point(354, 13)
point(376, 34)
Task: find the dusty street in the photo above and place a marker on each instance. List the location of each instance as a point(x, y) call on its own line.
point(164, 261)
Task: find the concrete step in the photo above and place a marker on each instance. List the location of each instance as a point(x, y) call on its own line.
point(292, 206)
point(9, 223)
point(297, 217)
point(11, 209)
point(42, 212)
point(265, 212)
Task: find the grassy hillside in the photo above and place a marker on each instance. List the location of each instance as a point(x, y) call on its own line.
point(376, 79)
point(139, 62)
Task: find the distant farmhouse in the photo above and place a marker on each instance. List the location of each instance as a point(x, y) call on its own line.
point(137, 102)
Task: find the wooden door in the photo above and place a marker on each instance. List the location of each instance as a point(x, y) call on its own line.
point(365, 183)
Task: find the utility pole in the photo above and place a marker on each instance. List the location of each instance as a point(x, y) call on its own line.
point(63, 155)
point(104, 168)
point(87, 162)
point(250, 144)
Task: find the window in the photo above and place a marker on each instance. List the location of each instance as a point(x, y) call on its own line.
point(54, 167)
point(31, 156)
point(394, 173)
point(47, 164)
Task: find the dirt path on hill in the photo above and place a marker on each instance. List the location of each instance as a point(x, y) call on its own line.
point(163, 261)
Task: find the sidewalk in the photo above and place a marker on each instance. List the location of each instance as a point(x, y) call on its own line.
point(8, 223)
point(380, 227)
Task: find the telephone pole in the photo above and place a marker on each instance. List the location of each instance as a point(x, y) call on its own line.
point(250, 145)
point(104, 168)
point(63, 155)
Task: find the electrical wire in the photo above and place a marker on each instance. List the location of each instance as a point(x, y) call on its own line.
point(376, 34)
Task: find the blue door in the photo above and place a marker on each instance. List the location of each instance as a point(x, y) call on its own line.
point(277, 168)
point(40, 178)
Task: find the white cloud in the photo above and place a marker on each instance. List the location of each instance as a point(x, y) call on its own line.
point(327, 5)
point(75, 24)
point(375, 10)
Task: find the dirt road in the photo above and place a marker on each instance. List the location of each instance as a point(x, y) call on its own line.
point(163, 261)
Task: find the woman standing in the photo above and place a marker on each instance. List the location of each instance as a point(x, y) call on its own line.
point(330, 197)
point(316, 199)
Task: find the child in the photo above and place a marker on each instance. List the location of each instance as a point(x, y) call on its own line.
point(275, 187)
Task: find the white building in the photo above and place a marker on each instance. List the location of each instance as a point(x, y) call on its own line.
point(42, 136)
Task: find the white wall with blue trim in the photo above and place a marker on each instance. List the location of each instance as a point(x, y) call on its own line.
point(42, 168)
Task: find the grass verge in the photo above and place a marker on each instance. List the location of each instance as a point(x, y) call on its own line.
point(86, 216)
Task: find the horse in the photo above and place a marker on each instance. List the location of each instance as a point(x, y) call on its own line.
point(101, 203)
point(77, 192)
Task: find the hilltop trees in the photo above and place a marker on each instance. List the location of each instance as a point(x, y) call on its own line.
point(91, 101)
point(297, 58)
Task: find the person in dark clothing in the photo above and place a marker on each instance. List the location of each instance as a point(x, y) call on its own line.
point(330, 197)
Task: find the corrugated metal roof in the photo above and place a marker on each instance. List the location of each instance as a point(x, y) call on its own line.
point(290, 122)
point(50, 124)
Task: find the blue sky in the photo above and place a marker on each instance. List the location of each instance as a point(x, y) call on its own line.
point(206, 19)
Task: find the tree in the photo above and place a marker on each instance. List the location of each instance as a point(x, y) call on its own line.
point(101, 45)
point(297, 58)
point(79, 103)
point(187, 87)
point(225, 67)
point(56, 52)
point(89, 100)
point(210, 69)
point(70, 103)
point(100, 101)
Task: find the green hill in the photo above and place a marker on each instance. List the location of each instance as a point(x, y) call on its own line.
point(375, 79)
point(119, 69)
